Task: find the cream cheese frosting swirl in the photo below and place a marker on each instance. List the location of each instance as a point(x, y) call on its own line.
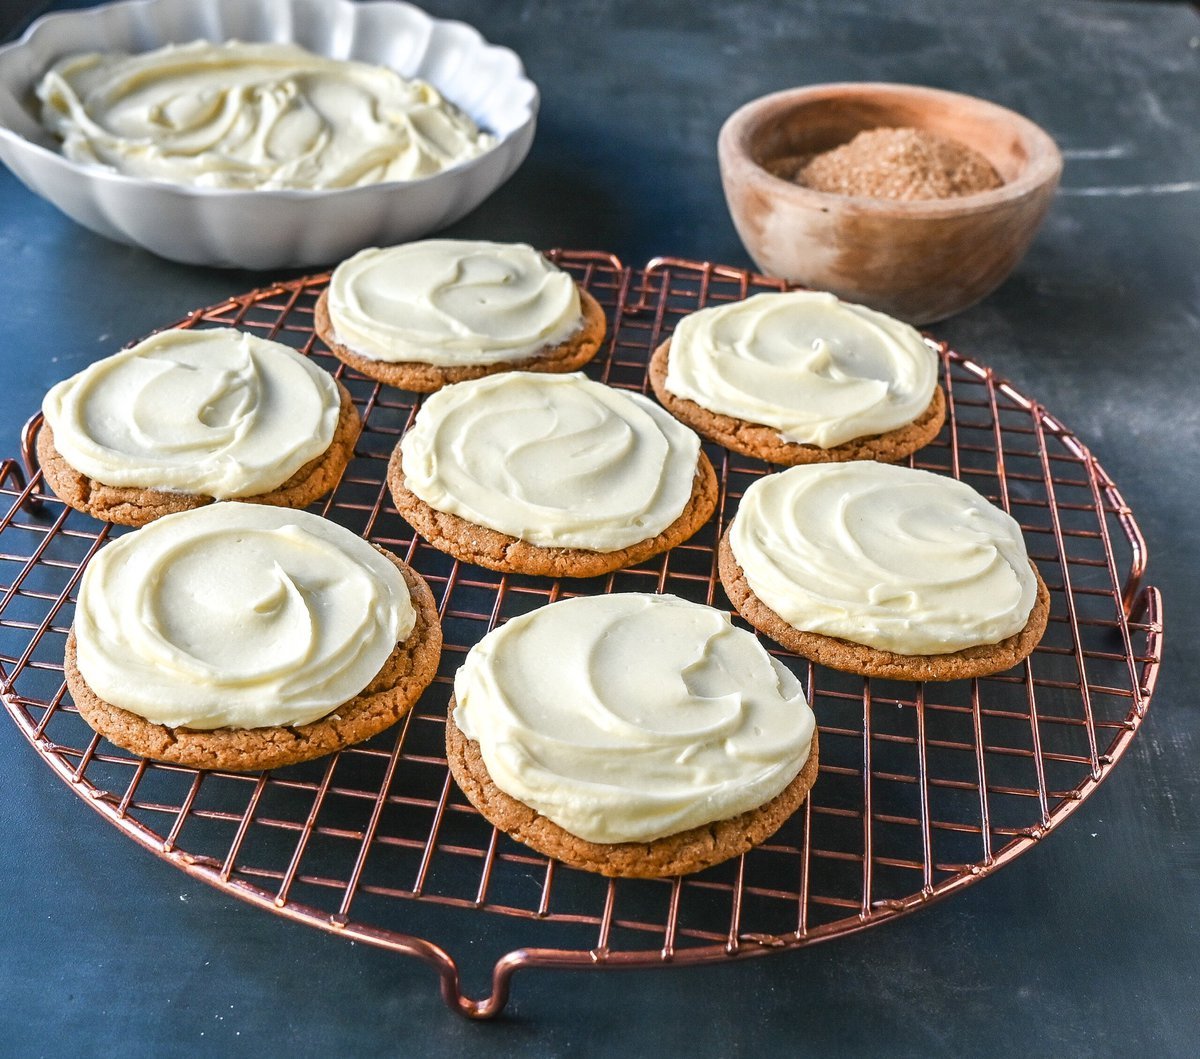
point(452, 302)
point(218, 413)
point(238, 115)
point(555, 460)
point(897, 559)
point(629, 717)
point(819, 370)
point(238, 615)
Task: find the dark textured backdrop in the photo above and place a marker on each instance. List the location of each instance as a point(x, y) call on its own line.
point(1088, 945)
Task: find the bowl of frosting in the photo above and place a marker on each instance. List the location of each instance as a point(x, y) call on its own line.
point(261, 133)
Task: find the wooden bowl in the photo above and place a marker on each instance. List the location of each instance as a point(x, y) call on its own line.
point(920, 260)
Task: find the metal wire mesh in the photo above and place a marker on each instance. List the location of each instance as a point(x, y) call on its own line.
point(922, 788)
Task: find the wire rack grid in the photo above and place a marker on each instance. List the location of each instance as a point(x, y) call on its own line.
point(923, 789)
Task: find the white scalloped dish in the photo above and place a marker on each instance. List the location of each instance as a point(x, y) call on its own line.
point(257, 228)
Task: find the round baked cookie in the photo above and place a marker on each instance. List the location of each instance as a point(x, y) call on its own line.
point(872, 661)
point(580, 501)
point(687, 851)
point(130, 506)
point(800, 377)
point(884, 571)
point(765, 443)
point(570, 355)
point(388, 694)
point(498, 551)
point(384, 701)
point(423, 315)
point(198, 450)
point(631, 735)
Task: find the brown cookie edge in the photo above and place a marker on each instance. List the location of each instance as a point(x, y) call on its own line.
point(679, 854)
point(138, 506)
point(418, 377)
point(494, 550)
point(764, 443)
point(835, 653)
point(392, 692)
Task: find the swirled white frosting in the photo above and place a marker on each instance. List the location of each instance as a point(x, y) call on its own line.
point(215, 412)
point(628, 717)
point(238, 615)
point(451, 302)
point(819, 370)
point(555, 460)
point(902, 560)
point(238, 115)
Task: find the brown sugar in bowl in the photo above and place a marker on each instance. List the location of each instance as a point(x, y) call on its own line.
point(919, 260)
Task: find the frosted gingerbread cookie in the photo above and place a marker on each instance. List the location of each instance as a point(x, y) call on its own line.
point(239, 636)
point(630, 735)
point(421, 315)
point(550, 474)
point(884, 571)
point(801, 377)
point(190, 416)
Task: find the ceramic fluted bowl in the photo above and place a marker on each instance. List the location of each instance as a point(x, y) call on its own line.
point(918, 260)
point(260, 229)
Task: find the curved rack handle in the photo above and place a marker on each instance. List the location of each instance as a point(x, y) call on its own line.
point(708, 271)
point(10, 469)
point(31, 502)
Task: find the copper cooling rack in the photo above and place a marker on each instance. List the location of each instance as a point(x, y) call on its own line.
point(923, 789)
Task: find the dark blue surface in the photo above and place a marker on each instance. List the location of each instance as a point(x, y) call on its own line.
point(1088, 945)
